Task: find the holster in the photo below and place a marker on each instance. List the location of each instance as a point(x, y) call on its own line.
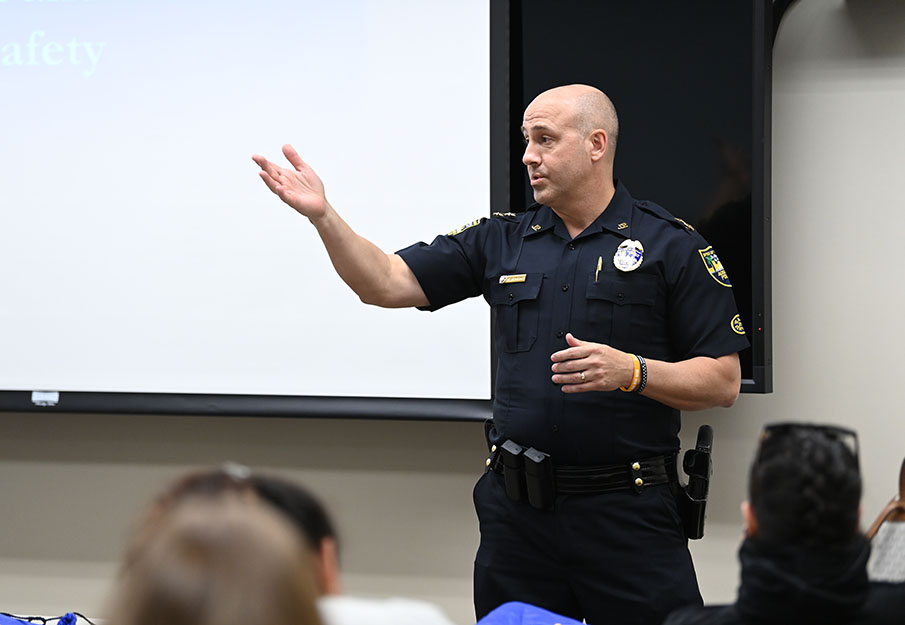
point(692, 498)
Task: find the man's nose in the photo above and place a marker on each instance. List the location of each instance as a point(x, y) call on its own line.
point(530, 158)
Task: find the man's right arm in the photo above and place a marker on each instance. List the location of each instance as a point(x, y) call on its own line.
point(376, 277)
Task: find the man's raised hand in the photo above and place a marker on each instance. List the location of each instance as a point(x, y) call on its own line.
point(299, 187)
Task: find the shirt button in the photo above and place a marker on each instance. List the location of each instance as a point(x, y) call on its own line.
point(619, 296)
point(511, 296)
point(560, 334)
point(565, 287)
point(571, 246)
point(556, 428)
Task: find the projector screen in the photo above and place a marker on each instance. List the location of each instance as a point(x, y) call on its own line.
point(141, 253)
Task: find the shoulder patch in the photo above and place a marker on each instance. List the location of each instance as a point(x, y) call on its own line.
point(686, 224)
point(462, 229)
point(714, 266)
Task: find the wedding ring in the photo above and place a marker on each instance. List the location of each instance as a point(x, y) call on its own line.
point(581, 374)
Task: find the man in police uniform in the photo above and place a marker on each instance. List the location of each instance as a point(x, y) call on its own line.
point(611, 316)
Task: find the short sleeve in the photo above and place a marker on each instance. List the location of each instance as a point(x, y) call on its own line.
point(450, 269)
point(703, 316)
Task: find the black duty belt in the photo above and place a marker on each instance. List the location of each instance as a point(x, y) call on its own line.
point(530, 475)
point(609, 477)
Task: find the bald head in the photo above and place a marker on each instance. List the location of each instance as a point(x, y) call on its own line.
point(591, 110)
point(570, 140)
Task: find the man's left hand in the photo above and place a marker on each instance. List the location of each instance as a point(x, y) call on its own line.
point(586, 366)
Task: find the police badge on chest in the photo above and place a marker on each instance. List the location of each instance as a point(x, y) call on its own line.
point(628, 255)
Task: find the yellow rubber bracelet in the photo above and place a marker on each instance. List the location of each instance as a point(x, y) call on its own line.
point(636, 376)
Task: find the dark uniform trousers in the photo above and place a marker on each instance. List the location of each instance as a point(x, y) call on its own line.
point(612, 558)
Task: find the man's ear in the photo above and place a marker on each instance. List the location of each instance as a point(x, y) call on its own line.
point(749, 519)
point(328, 567)
point(599, 144)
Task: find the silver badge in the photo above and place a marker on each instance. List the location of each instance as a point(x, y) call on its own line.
point(628, 255)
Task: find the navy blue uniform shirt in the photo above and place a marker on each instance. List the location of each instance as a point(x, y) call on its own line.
point(677, 304)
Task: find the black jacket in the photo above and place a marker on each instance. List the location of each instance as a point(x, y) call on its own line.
point(825, 585)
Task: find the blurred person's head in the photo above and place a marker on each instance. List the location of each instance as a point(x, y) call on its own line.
point(225, 560)
point(302, 509)
point(805, 486)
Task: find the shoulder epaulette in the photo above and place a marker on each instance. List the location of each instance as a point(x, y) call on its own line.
point(658, 211)
point(686, 224)
point(462, 229)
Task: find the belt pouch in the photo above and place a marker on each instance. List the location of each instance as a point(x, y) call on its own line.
point(513, 470)
point(539, 479)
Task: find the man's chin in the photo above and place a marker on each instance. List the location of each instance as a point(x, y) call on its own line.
point(540, 196)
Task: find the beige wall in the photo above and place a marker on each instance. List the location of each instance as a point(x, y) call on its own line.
point(402, 491)
point(838, 225)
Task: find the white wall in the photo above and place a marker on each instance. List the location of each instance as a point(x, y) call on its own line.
point(401, 491)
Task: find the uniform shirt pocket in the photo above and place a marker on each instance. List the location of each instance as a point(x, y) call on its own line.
point(517, 311)
point(620, 309)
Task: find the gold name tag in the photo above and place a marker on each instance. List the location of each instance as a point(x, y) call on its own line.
point(516, 277)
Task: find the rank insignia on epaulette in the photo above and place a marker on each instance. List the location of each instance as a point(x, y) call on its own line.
point(685, 223)
point(464, 228)
point(504, 214)
point(714, 266)
point(736, 324)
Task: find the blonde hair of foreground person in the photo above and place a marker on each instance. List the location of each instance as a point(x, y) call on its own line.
point(217, 561)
